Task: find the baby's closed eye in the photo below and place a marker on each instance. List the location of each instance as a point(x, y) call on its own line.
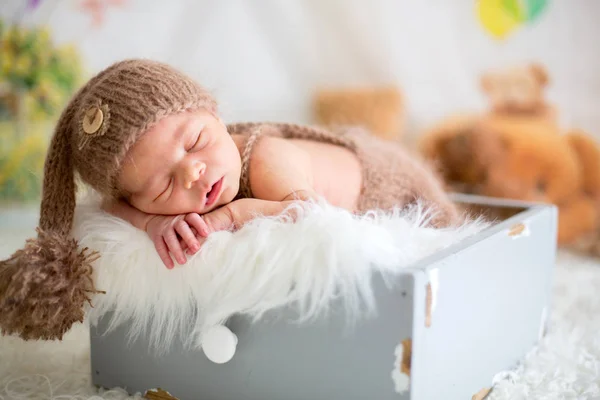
point(196, 137)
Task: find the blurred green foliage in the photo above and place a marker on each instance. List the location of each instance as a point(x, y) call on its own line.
point(33, 66)
point(37, 78)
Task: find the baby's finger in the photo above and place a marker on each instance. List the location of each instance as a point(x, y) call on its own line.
point(197, 222)
point(187, 236)
point(163, 252)
point(174, 247)
point(184, 245)
point(201, 240)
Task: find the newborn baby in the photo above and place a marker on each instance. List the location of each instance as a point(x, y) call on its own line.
point(210, 177)
point(190, 174)
point(149, 139)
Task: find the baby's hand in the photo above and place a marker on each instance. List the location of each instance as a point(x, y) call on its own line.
point(175, 233)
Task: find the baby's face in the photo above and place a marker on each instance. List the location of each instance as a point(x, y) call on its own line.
point(186, 163)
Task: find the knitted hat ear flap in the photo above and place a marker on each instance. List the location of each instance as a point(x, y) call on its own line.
point(45, 285)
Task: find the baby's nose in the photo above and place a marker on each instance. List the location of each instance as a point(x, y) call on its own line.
point(193, 172)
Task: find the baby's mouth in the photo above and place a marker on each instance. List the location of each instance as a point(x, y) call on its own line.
point(213, 193)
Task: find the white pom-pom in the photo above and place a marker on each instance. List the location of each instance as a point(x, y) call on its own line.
point(219, 344)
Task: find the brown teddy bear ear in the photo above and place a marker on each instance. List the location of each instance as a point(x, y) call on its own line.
point(540, 73)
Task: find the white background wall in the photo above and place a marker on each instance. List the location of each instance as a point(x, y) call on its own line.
point(264, 58)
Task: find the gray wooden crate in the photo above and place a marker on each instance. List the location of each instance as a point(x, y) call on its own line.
point(460, 316)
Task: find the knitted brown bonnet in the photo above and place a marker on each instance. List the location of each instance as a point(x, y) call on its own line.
point(45, 285)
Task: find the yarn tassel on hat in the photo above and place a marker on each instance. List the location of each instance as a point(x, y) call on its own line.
point(45, 285)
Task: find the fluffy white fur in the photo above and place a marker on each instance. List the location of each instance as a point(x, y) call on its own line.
point(327, 254)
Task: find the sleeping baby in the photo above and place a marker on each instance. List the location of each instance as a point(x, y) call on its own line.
point(149, 139)
point(190, 174)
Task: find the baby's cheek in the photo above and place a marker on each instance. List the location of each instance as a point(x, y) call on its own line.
point(141, 204)
point(189, 202)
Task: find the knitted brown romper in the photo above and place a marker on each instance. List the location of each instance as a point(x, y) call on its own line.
point(391, 177)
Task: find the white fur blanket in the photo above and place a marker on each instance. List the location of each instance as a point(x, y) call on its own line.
point(327, 253)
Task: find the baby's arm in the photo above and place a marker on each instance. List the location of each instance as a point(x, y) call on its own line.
point(121, 209)
point(235, 214)
point(280, 171)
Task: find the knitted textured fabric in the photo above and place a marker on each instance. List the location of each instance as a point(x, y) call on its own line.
point(44, 287)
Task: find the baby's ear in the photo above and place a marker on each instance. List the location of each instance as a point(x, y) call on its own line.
point(540, 74)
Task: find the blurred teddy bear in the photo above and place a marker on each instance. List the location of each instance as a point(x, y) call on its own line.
point(559, 169)
point(518, 91)
point(517, 150)
point(460, 151)
point(512, 159)
point(516, 97)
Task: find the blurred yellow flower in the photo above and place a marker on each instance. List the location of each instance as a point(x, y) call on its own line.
point(43, 35)
point(22, 65)
point(7, 63)
point(30, 62)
